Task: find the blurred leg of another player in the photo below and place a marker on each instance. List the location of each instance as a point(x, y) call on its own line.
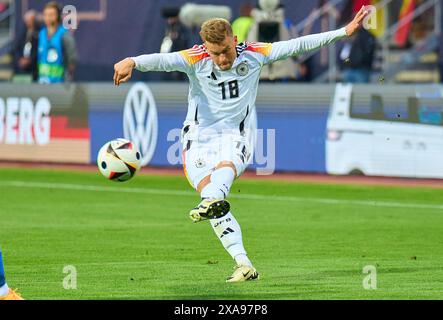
point(6, 293)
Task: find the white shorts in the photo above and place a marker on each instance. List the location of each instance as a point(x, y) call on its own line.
point(201, 154)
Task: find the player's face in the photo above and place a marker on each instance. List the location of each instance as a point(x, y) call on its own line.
point(50, 17)
point(223, 54)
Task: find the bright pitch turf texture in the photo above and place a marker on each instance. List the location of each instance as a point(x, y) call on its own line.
point(134, 240)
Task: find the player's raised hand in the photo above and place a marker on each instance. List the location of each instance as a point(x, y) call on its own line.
point(357, 22)
point(123, 71)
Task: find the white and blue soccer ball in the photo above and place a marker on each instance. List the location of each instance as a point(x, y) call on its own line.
point(118, 160)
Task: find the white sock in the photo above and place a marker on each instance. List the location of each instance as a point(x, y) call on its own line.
point(221, 182)
point(4, 290)
point(242, 259)
point(228, 231)
point(226, 228)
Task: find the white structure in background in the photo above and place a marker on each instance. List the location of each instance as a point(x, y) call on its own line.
point(193, 15)
point(375, 143)
point(269, 26)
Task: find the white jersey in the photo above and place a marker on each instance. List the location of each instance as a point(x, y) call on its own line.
point(223, 100)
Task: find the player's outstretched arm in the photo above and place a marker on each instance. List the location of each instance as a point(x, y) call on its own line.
point(285, 49)
point(167, 62)
point(123, 71)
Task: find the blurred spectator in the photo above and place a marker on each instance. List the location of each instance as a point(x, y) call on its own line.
point(304, 70)
point(57, 54)
point(176, 38)
point(357, 56)
point(243, 24)
point(25, 48)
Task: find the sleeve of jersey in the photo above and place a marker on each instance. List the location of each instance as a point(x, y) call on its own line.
point(168, 62)
point(294, 47)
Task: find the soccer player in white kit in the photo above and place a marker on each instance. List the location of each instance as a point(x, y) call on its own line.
point(223, 77)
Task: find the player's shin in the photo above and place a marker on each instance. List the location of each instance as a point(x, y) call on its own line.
point(226, 228)
point(228, 231)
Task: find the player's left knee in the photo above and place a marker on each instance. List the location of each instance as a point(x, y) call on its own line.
point(228, 164)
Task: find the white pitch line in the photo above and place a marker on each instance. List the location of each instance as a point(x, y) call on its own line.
point(259, 197)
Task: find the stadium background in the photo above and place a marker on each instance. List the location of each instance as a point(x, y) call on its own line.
point(297, 111)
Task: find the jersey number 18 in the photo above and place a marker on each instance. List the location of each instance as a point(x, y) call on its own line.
point(232, 87)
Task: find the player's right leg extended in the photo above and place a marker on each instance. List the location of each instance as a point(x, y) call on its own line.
point(214, 190)
point(214, 186)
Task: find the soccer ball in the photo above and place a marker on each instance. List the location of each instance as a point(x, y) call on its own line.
point(118, 160)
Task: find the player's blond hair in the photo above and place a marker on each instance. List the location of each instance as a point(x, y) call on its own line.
point(216, 30)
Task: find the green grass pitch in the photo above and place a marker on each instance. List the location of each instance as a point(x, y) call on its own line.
point(134, 240)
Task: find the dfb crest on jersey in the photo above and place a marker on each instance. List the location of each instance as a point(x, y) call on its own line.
point(242, 69)
point(200, 163)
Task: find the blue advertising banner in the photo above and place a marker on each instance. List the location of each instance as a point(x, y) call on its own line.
point(290, 139)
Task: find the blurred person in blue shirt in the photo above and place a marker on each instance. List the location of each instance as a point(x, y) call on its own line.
point(57, 55)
